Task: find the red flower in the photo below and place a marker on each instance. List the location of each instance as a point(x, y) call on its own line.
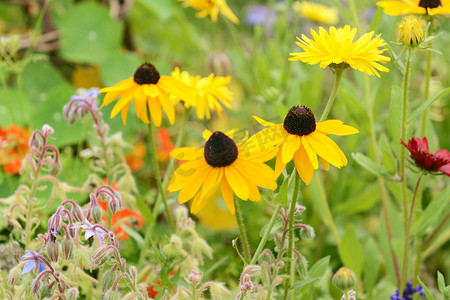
point(425, 159)
point(13, 147)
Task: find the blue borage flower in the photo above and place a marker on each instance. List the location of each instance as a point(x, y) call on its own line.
point(33, 261)
point(408, 292)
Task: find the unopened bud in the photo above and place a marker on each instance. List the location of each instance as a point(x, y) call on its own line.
point(100, 256)
point(96, 213)
point(77, 213)
point(55, 167)
point(35, 285)
point(134, 273)
point(34, 142)
point(112, 295)
point(411, 32)
point(73, 293)
point(54, 223)
point(67, 248)
point(13, 275)
point(171, 251)
point(344, 279)
point(195, 277)
point(218, 289)
point(47, 129)
point(114, 205)
point(46, 291)
point(53, 250)
point(108, 280)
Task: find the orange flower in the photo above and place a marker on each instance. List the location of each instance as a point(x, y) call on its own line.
point(121, 219)
point(135, 159)
point(13, 147)
point(165, 145)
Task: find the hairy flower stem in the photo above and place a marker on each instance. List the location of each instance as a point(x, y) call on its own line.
point(408, 227)
point(242, 231)
point(346, 295)
point(426, 92)
point(162, 191)
point(383, 193)
point(337, 79)
point(264, 239)
point(169, 171)
point(290, 253)
point(402, 163)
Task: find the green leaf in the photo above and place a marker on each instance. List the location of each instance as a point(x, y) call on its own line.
point(89, 34)
point(389, 162)
point(371, 265)
point(145, 211)
point(304, 284)
point(427, 104)
point(441, 282)
point(372, 166)
point(434, 212)
point(283, 193)
point(319, 268)
point(359, 202)
point(351, 251)
point(395, 115)
point(134, 234)
point(428, 294)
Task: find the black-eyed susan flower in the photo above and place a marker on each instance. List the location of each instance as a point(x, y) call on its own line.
point(411, 32)
point(300, 138)
point(236, 169)
point(338, 50)
point(417, 7)
point(211, 8)
point(206, 93)
point(148, 91)
point(316, 12)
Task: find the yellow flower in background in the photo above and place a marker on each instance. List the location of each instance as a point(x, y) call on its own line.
point(236, 169)
point(411, 31)
point(418, 7)
point(211, 8)
point(145, 89)
point(206, 93)
point(300, 138)
point(316, 12)
point(337, 49)
point(216, 216)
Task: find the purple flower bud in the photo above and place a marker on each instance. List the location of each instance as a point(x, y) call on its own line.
point(195, 277)
point(55, 222)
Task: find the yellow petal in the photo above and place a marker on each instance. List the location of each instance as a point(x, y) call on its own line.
point(167, 106)
point(325, 164)
point(227, 194)
point(187, 153)
point(110, 97)
point(335, 127)
point(257, 173)
point(303, 165)
point(207, 134)
point(237, 182)
point(124, 113)
point(323, 146)
point(150, 90)
point(120, 86)
point(192, 186)
point(124, 100)
point(279, 166)
point(290, 146)
point(263, 122)
point(155, 110)
point(311, 154)
point(184, 172)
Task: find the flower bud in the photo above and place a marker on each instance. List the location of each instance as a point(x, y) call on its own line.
point(47, 129)
point(134, 273)
point(108, 280)
point(34, 142)
point(171, 251)
point(67, 248)
point(218, 289)
point(35, 285)
point(195, 277)
point(77, 213)
point(411, 32)
point(55, 222)
point(14, 274)
point(112, 295)
point(100, 255)
point(73, 293)
point(46, 291)
point(344, 279)
point(96, 213)
point(55, 167)
point(114, 205)
point(53, 250)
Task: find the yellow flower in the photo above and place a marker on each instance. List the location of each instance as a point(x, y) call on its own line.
point(236, 169)
point(411, 32)
point(145, 88)
point(337, 49)
point(418, 7)
point(302, 139)
point(216, 216)
point(316, 12)
point(205, 93)
point(211, 8)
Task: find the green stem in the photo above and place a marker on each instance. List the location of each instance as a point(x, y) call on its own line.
point(383, 193)
point(264, 239)
point(162, 191)
point(418, 261)
point(346, 292)
point(337, 79)
point(171, 164)
point(290, 254)
point(426, 93)
point(408, 227)
point(352, 5)
point(242, 231)
point(438, 228)
point(403, 158)
point(323, 198)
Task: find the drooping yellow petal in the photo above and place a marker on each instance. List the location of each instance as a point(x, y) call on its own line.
point(227, 194)
point(279, 165)
point(155, 110)
point(110, 97)
point(335, 127)
point(124, 113)
point(310, 152)
point(120, 86)
point(290, 146)
point(325, 164)
point(257, 173)
point(167, 106)
point(124, 100)
point(396, 8)
point(187, 153)
point(263, 122)
point(192, 186)
point(182, 174)
point(303, 165)
point(321, 144)
point(237, 182)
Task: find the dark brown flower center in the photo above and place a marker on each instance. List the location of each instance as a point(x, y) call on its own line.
point(220, 150)
point(300, 120)
point(146, 74)
point(430, 3)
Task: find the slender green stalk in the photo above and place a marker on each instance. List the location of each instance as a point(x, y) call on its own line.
point(346, 292)
point(383, 193)
point(403, 160)
point(337, 79)
point(162, 191)
point(426, 93)
point(408, 227)
point(290, 254)
point(264, 239)
point(169, 171)
point(323, 198)
point(352, 5)
point(438, 228)
point(242, 231)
